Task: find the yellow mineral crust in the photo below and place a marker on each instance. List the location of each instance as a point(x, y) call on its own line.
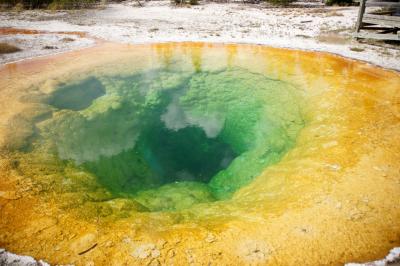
point(333, 198)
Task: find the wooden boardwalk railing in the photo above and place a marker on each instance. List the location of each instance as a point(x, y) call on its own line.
point(385, 24)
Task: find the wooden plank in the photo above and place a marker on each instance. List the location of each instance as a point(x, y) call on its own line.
point(389, 23)
point(393, 30)
point(375, 27)
point(379, 1)
point(380, 12)
point(382, 17)
point(384, 4)
point(377, 36)
point(361, 11)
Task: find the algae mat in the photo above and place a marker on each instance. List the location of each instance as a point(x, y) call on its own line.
point(199, 154)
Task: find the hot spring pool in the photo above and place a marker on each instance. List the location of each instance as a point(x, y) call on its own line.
point(193, 153)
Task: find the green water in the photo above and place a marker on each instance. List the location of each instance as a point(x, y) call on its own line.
point(172, 138)
point(74, 97)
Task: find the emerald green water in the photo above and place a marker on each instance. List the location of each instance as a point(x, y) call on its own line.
point(170, 138)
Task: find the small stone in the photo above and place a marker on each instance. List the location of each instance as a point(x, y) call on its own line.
point(144, 251)
point(109, 244)
point(155, 253)
point(126, 240)
point(329, 144)
point(171, 253)
point(334, 167)
point(8, 258)
point(210, 238)
point(50, 47)
point(377, 168)
point(141, 254)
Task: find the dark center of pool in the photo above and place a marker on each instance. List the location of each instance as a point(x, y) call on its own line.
point(170, 139)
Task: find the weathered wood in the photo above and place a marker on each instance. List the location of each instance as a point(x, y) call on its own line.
point(392, 30)
point(382, 12)
point(380, 1)
point(360, 15)
point(382, 20)
point(375, 27)
point(382, 17)
point(389, 25)
point(377, 36)
point(383, 4)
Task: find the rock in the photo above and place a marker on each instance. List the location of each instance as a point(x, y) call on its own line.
point(329, 144)
point(210, 238)
point(155, 253)
point(333, 167)
point(10, 259)
point(171, 253)
point(145, 251)
point(50, 47)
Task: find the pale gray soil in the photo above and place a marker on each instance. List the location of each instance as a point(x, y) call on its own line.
point(311, 27)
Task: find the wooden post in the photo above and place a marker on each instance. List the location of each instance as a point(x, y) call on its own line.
point(360, 15)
